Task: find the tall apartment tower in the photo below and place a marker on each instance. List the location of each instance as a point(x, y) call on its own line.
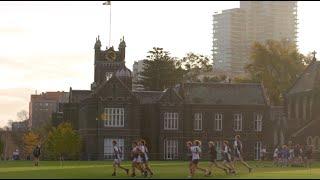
point(254, 21)
point(137, 68)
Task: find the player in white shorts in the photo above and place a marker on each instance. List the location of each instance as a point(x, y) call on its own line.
point(117, 159)
point(136, 159)
point(196, 150)
point(144, 156)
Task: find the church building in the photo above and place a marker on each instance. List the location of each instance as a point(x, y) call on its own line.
point(302, 107)
point(111, 110)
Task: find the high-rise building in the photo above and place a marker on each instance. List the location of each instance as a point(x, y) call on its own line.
point(136, 70)
point(235, 31)
point(42, 106)
point(229, 40)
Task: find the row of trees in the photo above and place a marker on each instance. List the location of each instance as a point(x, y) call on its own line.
point(275, 64)
point(57, 143)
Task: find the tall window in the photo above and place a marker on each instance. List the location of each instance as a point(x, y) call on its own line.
point(114, 117)
point(108, 147)
point(171, 121)
point(170, 149)
point(257, 122)
point(237, 118)
point(257, 149)
point(218, 122)
point(198, 121)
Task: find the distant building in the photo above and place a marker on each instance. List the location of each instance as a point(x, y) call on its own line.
point(302, 108)
point(42, 106)
point(112, 110)
point(21, 126)
point(137, 69)
point(235, 31)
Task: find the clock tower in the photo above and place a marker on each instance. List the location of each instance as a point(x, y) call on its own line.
point(107, 62)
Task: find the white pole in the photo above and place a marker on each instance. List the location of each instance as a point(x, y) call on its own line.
point(110, 26)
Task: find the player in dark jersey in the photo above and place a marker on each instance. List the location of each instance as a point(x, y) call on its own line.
point(237, 147)
point(189, 156)
point(227, 160)
point(213, 158)
point(117, 159)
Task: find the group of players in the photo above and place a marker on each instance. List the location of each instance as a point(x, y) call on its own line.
point(292, 155)
point(139, 156)
point(229, 157)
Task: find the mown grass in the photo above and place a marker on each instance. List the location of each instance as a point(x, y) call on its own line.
point(162, 169)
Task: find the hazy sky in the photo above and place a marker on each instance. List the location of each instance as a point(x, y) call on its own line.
point(48, 46)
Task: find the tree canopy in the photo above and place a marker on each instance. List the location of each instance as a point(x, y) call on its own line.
point(276, 64)
point(162, 71)
point(63, 141)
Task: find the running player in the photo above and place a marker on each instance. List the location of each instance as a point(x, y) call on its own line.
point(276, 156)
point(237, 146)
point(196, 150)
point(117, 159)
point(227, 162)
point(136, 159)
point(145, 158)
point(189, 156)
point(213, 158)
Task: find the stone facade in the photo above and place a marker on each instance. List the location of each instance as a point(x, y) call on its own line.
point(166, 119)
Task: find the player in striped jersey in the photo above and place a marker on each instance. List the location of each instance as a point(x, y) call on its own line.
point(117, 159)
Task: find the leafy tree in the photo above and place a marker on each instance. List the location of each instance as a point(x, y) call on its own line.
point(276, 64)
point(63, 142)
point(193, 65)
point(30, 141)
point(160, 70)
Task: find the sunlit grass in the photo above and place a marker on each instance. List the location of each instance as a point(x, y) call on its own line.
point(162, 169)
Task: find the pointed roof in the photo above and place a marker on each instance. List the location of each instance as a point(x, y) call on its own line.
point(308, 79)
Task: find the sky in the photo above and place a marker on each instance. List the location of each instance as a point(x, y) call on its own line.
point(48, 46)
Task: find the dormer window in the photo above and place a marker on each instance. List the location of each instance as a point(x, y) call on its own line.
point(108, 75)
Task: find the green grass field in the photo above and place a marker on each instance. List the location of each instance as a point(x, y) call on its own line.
point(162, 169)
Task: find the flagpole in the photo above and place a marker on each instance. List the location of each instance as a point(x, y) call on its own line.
point(110, 27)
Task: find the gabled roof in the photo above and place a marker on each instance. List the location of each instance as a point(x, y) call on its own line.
point(147, 97)
point(224, 93)
point(307, 80)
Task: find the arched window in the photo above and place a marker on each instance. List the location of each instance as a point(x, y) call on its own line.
point(309, 141)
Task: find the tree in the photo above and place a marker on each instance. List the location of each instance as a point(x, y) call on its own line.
point(160, 70)
point(30, 141)
point(22, 115)
point(193, 65)
point(63, 142)
point(276, 64)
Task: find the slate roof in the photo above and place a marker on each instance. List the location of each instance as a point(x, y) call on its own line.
point(148, 97)
point(307, 80)
point(78, 95)
point(225, 93)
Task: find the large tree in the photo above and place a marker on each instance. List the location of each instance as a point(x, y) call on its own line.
point(160, 70)
point(276, 64)
point(63, 142)
point(30, 140)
